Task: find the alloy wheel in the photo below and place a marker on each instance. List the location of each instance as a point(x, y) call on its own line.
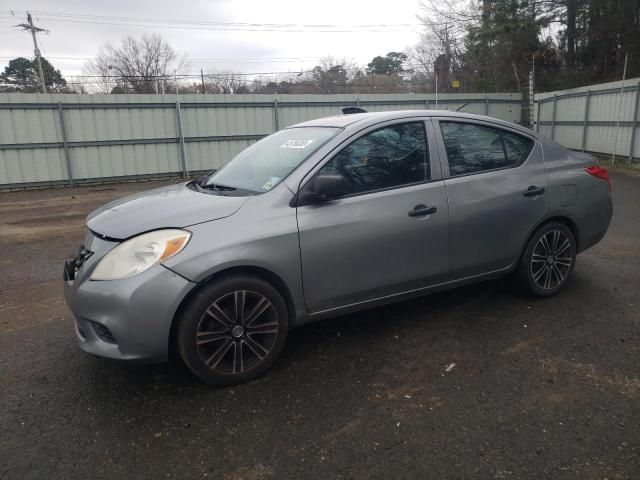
point(551, 260)
point(236, 332)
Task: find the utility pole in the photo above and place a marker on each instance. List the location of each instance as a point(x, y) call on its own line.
point(30, 27)
point(202, 78)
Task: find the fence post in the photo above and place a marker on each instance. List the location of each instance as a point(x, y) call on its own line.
point(357, 102)
point(586, 120)
point(553, 118)
point(65, 144)
point(426, 104)
point(486, 106)
point(183, 153)
point(634, 125)
point(539, 102)
point(275, 115)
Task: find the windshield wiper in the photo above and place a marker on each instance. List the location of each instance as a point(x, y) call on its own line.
point(201, 180)
point(219, 187)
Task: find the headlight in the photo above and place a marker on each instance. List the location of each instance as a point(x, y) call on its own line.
point(140, 253)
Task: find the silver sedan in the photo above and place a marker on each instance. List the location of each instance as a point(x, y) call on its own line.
point(327, 217)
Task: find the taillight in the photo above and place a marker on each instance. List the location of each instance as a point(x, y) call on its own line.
point(599, 172)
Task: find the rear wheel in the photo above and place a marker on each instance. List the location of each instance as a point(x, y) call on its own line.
point(232, 330)
point(548, 260)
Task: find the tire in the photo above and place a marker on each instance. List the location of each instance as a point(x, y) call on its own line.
point(548, 260)
point(232, 330)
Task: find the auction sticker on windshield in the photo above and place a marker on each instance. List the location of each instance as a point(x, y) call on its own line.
point(296, 144)
point(270, 183)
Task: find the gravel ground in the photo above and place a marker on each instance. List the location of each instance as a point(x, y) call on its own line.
point(480, 382)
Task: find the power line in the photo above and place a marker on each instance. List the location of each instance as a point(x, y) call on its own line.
point(226, 74)
point(235, 24)
point(226, 29)
point(226, 26)
point(229, 60)
point(202, 60)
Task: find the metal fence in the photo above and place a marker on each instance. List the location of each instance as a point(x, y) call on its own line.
point(68, 139)
point(599, 118)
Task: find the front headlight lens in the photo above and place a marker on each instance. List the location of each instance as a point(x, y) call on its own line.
point(140, 253)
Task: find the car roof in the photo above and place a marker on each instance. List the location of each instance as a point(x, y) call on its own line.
point(361, 120)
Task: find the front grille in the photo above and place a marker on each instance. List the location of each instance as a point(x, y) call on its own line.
point(103, 332)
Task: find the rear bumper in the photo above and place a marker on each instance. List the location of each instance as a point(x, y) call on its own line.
point(128, 319)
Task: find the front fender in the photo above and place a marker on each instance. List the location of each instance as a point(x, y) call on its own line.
point(266, 240)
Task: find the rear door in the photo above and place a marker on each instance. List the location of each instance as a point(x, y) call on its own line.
point(497, 188)
point(375, 241)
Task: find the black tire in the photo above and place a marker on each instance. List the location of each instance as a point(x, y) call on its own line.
point(224, 347)
point(548, 260)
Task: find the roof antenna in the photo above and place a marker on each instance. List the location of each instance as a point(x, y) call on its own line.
point(350, 110)
point(462, 106)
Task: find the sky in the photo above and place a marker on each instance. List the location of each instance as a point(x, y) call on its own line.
point(78, 28)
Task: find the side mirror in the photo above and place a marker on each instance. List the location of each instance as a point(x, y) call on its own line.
point(323, 188)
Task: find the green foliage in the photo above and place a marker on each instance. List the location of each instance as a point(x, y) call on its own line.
point(572, 42)
point(391, 64)
point(52, 77)
point(21, 74)
point(331, 79)
point(499, 50)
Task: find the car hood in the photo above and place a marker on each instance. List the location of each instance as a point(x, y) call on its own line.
point(176, 206)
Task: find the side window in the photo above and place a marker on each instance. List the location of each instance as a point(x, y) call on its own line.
point(517, 147)
point(388, 157)
point(476, 148)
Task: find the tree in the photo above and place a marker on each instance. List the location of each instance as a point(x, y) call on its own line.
point(331, 75)
point(230, 82)
point(391, 64)
point(493, 42)
point(136, 65)
point(21, 74)
point(488, 45)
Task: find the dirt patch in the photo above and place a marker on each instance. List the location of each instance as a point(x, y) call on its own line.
point(255, 472)
point(598, 376)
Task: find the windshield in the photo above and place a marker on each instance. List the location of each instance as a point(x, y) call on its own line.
point(264, 164)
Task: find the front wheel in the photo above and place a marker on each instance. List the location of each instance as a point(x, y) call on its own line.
point(232, 330)
point(548, 260)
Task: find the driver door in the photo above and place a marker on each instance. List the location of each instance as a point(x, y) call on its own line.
point(389, 234)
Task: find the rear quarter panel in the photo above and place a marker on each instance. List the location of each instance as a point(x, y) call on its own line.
point(576, 195)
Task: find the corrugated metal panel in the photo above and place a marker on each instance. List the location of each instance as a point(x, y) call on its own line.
point(138, 134)
point(120, 160)
point(210, 155)
point(609, 124)
point(569, 136)
point(33, 165)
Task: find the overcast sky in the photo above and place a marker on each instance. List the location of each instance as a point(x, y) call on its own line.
point(72, 40)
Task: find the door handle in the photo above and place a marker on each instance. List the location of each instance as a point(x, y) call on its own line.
point(533, 191)
point(421, 210)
